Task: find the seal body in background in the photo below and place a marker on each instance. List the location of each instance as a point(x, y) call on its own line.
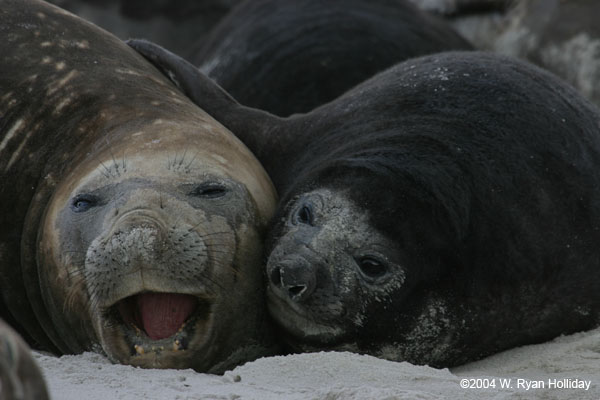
point(132, 221)
point(179, 25)
point(287, 57)
point(20, 377)
point(442, 211)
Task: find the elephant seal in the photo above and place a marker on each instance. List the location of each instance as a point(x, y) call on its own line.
point(292, 56)
point(133, 222)
point(433, 214)
point(20, 377)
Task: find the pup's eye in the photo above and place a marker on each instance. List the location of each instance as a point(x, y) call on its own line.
point(209, 190)
point(83, 203)
point(371, 267)
point(304, 215)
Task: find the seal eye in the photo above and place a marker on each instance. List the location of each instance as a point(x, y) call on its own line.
point(209, 190)
point(304, 215)
point(83, 203)
point(371, 268)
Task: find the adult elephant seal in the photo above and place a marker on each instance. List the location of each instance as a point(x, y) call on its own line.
point(131, 220)
point(292, 56)
point(444, 210)
point(20, 377)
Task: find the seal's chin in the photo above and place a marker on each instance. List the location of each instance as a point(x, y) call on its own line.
point(301, 325)
point(152, 322)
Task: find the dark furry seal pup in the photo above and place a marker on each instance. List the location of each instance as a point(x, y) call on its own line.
point(444, 210)
point(131, 222)
point(20, 377)
point(292, 56)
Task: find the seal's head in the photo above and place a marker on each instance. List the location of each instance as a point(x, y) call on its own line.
point(349, 268)
point(327, 266)
point(155, 242)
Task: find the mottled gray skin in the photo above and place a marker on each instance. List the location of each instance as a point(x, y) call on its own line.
point(113, 184)
point(561, 36)
point(312, 268)
point(20, 377)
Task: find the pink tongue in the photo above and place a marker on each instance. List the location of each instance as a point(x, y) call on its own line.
point(163, 313)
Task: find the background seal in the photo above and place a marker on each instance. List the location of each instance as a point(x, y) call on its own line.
point(20, 377)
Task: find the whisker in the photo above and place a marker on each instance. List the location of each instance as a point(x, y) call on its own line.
point(107, 174)
point(183, 157)
point(190, 163)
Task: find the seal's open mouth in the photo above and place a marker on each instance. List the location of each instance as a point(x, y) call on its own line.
point(158, 321)
point(158, 315)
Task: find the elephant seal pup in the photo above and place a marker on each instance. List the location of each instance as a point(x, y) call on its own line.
point(444, 210)
point(132, 222)
point(20, 377)
point(292, 56)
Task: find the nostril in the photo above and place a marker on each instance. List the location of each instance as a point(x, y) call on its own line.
point(296, 291)
point(276, 276)
point(292, 279)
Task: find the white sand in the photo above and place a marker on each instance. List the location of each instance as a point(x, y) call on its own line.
point(338, 376)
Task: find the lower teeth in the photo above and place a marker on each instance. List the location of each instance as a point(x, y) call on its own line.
point(177, 345)
point(138, 349)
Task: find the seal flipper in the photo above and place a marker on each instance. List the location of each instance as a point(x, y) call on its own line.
point(198, 87)
point(261, 131)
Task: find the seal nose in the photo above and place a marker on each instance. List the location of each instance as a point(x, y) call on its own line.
point(295, 278)
point(141, 234)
